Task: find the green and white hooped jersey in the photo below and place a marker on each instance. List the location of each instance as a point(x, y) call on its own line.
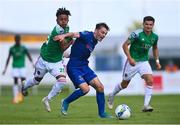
point(141, 43)
point(18, 53)
point(51, 50)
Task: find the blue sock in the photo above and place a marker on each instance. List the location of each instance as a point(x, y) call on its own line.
point(75, 95)
point(100, 98)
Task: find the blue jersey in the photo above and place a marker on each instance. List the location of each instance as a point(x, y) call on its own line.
point(81, 49)
point(77, 67)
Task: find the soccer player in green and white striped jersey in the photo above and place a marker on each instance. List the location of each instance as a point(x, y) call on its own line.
point(140, 42)
point(50, 59)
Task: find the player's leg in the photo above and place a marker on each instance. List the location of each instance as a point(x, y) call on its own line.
point(75, 74)
point(22, 78)
point(83, 89)
point(116, 90)
point(15, 90)
point(128, 73)
point(93, 80)
point(100, 97)
point(20, 96)
point(148, 92)
point(146, 74)
point(40, 71)
point(16, 75)
point(56, 89)
point(57, 70)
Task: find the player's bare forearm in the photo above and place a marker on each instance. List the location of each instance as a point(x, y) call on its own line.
point(6, 65)
point(155, 52)
point(127, 53)
point(29, 57)
point(65, 46)
point(156, 56)
point(7, 61)
point(63, 36)
point(126, 49)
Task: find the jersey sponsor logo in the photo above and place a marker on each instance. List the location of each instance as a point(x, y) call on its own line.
point(146, 46)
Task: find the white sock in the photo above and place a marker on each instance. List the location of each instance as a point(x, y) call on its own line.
point(57, 87)
point(117, 89)
point(29, 83)
point(15, 90)
point(148, 94)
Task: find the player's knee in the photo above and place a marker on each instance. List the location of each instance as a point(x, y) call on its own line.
point(86, 90)
point(100, 88)
point(124, 84)
point(61, 79)
point(149, 82)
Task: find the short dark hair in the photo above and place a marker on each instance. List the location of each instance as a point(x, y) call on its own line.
point(148, 18)
point(63, 11)
point(99, 25)
point(17, 37)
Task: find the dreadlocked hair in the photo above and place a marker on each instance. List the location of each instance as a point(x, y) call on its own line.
point(63, 11)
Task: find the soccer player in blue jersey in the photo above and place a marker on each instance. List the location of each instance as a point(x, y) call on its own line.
point(78, 70)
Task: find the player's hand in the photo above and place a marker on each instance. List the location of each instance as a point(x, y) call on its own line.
point(59, 38)
point(132, 62)
point(158, 66)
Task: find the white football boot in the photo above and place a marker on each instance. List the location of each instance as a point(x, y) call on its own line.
point(110, 101)
point(45, 102)
point(147, 109)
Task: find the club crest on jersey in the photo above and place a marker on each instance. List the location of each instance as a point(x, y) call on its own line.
point(89, 47)
point(80, 78)
point(152, 40)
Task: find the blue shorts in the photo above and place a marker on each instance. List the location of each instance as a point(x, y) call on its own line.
point(80, 75)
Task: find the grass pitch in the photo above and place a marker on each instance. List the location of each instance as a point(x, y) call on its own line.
point(84, 110)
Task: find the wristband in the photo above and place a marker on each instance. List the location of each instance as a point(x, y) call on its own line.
point(157, 60)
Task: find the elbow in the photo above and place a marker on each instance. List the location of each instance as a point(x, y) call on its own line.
point(124, 46)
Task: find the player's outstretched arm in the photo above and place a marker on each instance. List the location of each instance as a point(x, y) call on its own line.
point(7, 62)
point(63, 36)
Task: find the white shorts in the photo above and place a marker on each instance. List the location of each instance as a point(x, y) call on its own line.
point(140, 67)
point(42, 67)
point(18, 72)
